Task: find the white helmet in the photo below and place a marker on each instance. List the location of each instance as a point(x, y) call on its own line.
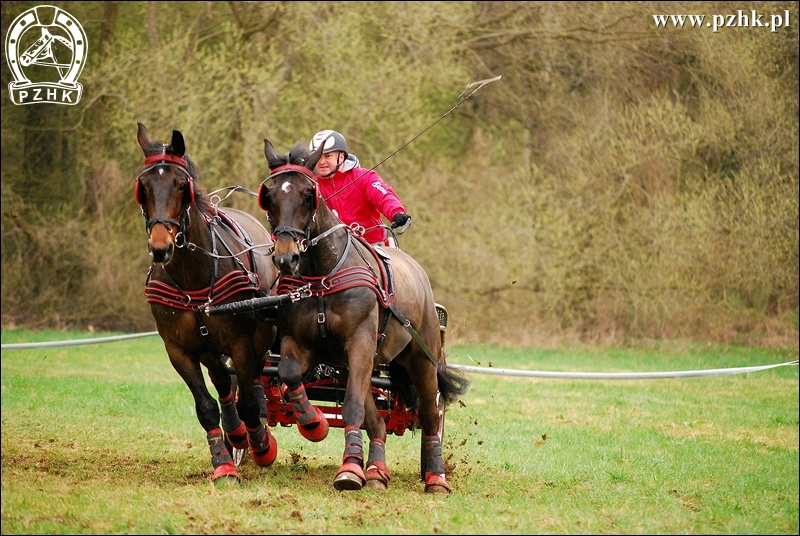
point(333, 142)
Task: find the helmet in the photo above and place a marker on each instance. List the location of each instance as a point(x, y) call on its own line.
point(333, 142)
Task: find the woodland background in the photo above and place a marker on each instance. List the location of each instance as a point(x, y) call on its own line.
point(620, 182)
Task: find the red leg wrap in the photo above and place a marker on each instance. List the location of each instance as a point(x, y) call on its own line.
point(378, 471)
point(263, 446)
point(311, 423)
point(376, 463)
point(220, 457)
point(238, 437)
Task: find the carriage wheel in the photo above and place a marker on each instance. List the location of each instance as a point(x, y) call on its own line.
point(423, 461)
point(238, 455)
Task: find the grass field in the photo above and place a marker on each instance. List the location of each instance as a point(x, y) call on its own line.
point(102, 438)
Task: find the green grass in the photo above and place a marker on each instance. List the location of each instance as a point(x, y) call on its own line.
point(102, 438)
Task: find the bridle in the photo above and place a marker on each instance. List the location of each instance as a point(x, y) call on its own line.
point(152, 162)
point(302, 237)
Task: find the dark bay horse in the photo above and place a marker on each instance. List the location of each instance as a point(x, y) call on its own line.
point(357, 312)
point(202, 254)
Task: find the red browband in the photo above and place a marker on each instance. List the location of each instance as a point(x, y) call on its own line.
point(172, 159)
point(286, 168)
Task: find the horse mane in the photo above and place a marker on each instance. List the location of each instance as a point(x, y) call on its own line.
point(298, 155)
point(200, 198)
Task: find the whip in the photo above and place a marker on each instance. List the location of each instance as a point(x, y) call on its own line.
point(478, 84)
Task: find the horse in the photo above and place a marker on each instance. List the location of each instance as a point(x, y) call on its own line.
point(358, 307)
point(201, 254)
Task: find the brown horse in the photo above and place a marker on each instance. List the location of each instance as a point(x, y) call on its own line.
point(202, 255)
point(360, 308)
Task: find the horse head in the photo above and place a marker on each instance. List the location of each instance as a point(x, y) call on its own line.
point(290, 197)
point(165, 192)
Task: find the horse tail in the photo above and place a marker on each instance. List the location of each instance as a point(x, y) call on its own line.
point(402, 385)
point(452, 384)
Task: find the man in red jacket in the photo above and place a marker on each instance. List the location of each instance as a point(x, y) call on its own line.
point(354, 194)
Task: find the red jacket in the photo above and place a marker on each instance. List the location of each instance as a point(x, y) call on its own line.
point(362, 201)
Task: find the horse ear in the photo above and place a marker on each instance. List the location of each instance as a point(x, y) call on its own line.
point(263, 197)
point(178, 145)
point(313, 158)
point(273, 159)
point(142, 138)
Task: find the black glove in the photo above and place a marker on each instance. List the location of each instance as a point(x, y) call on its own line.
point(400, 219)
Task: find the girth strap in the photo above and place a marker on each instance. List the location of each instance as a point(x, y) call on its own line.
point(207, 340)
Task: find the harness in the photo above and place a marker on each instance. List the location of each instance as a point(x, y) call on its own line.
point(220, 289)
point(341, 279)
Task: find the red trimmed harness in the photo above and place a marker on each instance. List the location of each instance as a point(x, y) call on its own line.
point(229, 285)
point(343, 279)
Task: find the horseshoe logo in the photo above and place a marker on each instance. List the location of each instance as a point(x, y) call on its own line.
point(45, 40)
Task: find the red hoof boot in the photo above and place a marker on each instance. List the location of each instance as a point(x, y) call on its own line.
point(266, 457)
point(225, 473)
point(315, 431)
point(238, 438)
point(350, 477)
point(377, 476)
point(436, 484)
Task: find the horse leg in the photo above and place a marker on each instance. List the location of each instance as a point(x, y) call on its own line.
point(425, 380)
point(207, 413)
point(360, 355)
point(377, 474)
point(250, 429)
point(232, 425)
point(311, 422)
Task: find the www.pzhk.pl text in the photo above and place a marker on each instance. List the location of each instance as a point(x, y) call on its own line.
point(740, 19)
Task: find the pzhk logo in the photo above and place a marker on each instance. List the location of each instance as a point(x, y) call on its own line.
point(51, 45)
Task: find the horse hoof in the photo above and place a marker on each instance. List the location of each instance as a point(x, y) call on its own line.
point(267, 457)
point(434, 488)
point(378, 476)
point(377, 484)
point(349, 478)
point(436, 484)
point(347, 481)
point(227, 481)
point(225, 474)
point(315, 431)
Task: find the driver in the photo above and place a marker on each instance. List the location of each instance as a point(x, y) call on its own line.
point(354, 194)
